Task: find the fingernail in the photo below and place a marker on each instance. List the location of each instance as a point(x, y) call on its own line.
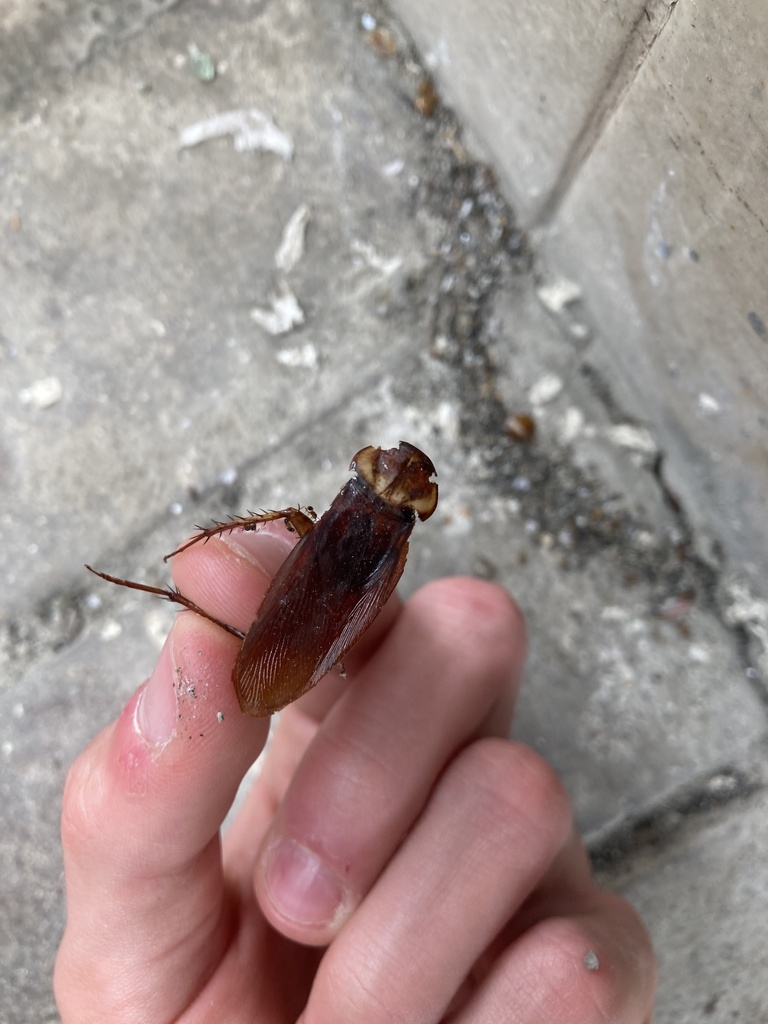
point(156, 710)
point(266, 548)
point(300, 886)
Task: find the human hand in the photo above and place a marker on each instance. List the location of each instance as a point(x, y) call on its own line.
point(397, 859)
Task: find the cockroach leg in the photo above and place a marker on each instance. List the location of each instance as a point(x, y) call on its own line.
point(169, 595)
point(299, 520)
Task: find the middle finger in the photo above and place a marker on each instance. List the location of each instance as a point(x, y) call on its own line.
point(453, 657)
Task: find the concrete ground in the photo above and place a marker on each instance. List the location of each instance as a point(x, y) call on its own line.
point(202, 313)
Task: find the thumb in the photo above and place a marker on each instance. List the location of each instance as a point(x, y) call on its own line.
point(140, 823)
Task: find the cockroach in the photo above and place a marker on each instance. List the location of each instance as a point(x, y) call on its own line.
point(334, 582)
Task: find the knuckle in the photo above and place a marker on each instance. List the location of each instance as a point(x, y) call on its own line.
point(569, 969)
point(359, 988)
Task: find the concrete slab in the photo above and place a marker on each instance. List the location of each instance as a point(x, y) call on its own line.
point(671, 208)
point(134, 372)
point(703, 896)
point(130, 279)
point(531, 80)
point(51, 713)
point(627, 705)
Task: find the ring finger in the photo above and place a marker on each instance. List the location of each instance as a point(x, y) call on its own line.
point(494, 824)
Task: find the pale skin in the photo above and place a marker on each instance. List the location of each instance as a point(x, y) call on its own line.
point(398, 859)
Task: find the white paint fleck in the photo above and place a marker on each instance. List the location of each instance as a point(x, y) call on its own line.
point(644, 539)
point(250, 130)
point(571, 425)
point(546, 389)
point(627, 435)
point(613, 613)
point(393, 168)
point(42, 393)
point(708, 404)
point(283, 314)
point(111, 630)
point(291, 247)
point(447, 420)
point(558, 294)
point(722, 784)
point(375, 260)
point(305, 356)
point(699, 654)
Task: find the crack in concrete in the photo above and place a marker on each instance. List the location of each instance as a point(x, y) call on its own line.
point(53, 624)
point(613, 849)
point(647, 29)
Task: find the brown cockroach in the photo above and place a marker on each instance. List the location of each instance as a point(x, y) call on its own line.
point(334, 582)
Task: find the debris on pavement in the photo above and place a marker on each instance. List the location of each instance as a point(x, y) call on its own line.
point(291, 247)
point(202, 64)
point(251, 130)
point(283, 314)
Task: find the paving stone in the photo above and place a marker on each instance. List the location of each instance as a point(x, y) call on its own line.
point(133, 370)
point(130, 278)
point(703, 899)
point(528, 77)
point(671, 211)
point(47, 718)
point(625, 704)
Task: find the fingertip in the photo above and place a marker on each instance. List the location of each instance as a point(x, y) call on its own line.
point(482, 605)
point(483, 627)
point(298, 893)
point(228, 575)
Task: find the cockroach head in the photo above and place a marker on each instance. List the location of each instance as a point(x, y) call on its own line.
point(400, 476)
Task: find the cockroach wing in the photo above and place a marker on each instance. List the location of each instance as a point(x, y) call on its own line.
point(325, 596)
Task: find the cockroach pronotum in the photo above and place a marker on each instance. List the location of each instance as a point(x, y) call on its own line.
point(334, 582)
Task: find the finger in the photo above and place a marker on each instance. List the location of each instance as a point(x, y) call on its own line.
point(495, 822)
point(144, 803)
point(597, 964)
point(228, 575)
point(296, 726)
point(454, 654)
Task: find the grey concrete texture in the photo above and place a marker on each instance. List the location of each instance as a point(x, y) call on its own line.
point(143, 391)
point(527, 77)
point(712, 955)
point(672, 208)
point(632, 141)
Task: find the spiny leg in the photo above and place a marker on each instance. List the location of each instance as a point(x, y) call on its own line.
point(169, 595)
point(300, 520)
